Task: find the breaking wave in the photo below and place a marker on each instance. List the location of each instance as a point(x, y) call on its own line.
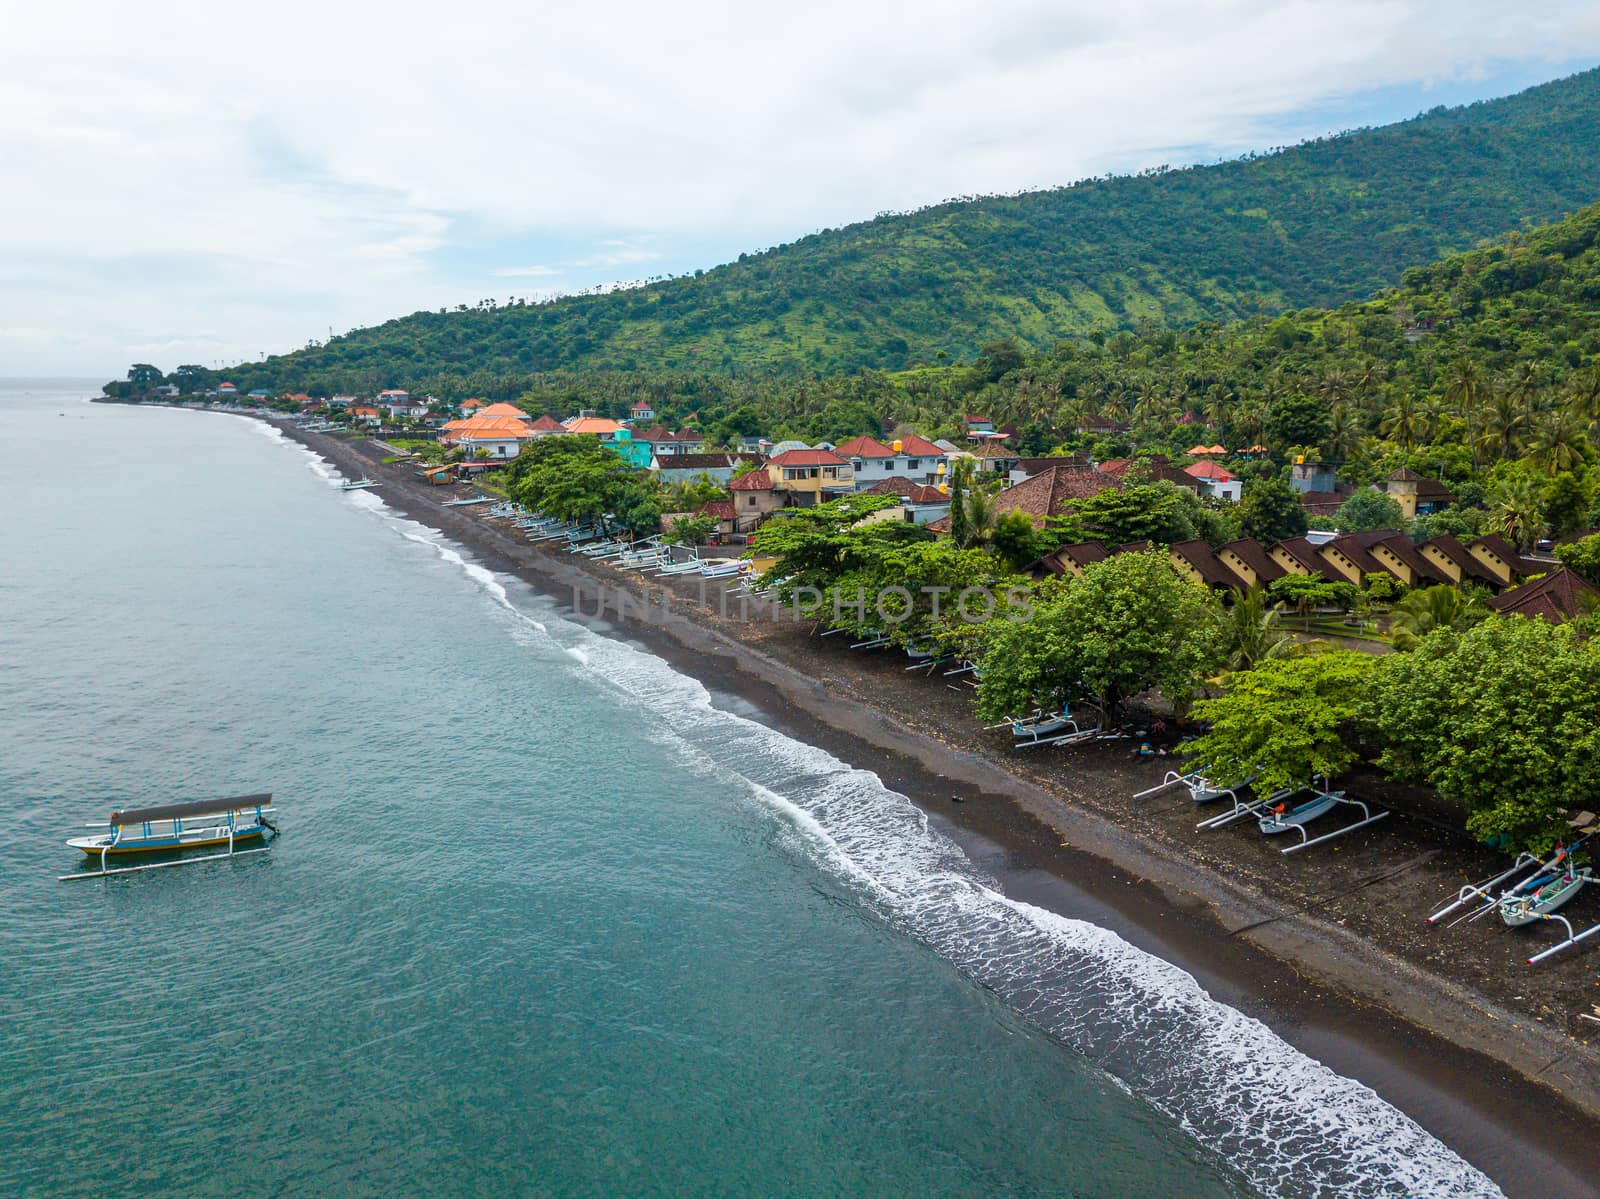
point(1283, 1121)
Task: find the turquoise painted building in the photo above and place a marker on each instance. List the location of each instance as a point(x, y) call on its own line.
point(634, 451)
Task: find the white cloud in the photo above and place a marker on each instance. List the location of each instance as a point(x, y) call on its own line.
point(261, 175)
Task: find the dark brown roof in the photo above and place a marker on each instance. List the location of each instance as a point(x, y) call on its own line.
point(1401, 547)
point(916, 493)
point(1033, 466)
point(1079, 555)
point(1507, 553)
point(1052, 492)
point(1160, 470)
point(1303, 552)
point(1323, 503)
point(1133, 547)
point(194, 807)
point(703, 461)
point(1255, 556)
point(1427, 489)
point(718, 509)
point(1351, 546)
point(1212, 569)
point(1557, 596)
point(990, 449)
point(1469, 566)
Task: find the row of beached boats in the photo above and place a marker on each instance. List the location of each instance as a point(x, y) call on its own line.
point(1288, 810)
point(1532, 889)
point(650, 555)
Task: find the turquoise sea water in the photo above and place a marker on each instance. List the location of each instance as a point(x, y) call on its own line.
point(546, 918)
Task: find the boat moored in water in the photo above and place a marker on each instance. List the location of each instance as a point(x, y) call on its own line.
point(195, 824)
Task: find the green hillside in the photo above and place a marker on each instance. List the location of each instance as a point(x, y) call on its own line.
point(1321, 223)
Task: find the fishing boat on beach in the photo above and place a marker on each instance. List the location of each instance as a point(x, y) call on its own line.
point(195, 824)
point(358, 484)
point(1542, 896)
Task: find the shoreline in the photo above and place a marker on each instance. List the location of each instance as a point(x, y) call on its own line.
point(1452, 1059)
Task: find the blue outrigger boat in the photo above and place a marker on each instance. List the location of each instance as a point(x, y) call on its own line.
point(196, 824)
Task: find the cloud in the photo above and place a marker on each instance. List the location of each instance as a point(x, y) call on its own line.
point(176, 166)
point(526, 272)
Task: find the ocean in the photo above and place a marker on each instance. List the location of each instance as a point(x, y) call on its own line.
point(547, 917)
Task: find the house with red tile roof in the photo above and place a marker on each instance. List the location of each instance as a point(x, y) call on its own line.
point(1219, 483)
point(811, 477)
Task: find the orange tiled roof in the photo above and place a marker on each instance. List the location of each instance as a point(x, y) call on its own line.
point(595, 426)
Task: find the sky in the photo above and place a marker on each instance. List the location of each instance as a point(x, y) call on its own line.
point(206, 183)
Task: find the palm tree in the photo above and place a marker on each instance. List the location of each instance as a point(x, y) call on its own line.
point(1404, 422)
point(1250, 631)
point(1558, 442)
point(1366, 383)
point(1517, 512)
point(1583, 397)
point(1347, 432)
point(1506, 421)
point(1463, 387)
point(981, 518)
point(1523, 383)
point(1429, 608)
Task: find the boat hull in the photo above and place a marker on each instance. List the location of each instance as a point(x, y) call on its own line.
point(95, 847)
point(1525, 909)
point(1271, 826)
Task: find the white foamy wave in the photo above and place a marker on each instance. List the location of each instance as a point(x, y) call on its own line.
point(1283, 1120)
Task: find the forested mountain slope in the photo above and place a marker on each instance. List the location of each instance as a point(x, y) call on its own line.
point(1317, 224)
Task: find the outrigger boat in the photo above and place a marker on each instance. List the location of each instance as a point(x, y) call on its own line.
point(1201, 788)
point(1043, 728)
point(358, 485)
point(197, 824)
point(1479, 898)
point(1541, 896)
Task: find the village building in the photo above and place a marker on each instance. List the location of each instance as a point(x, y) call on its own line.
point(1557, 597)
point(399, 404)
point(641, 410)
point(546, 426)
point(755, 497)
point(690, 468)
point(495, 437)
point(920, 504)
point(811, 477)
point(366, 414)
point(1218, 482)
point(593, 426)
point(1416, 494)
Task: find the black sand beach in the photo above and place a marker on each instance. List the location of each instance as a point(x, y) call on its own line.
point(1328, 948)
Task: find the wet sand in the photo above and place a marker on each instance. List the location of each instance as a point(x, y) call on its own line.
point(1517, 1097)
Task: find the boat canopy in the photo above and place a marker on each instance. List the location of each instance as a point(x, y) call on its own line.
point(196, 807)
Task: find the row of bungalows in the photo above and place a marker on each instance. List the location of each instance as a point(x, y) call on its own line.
point(1489, 561)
